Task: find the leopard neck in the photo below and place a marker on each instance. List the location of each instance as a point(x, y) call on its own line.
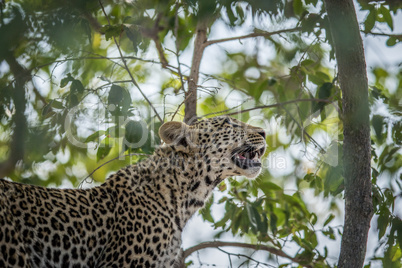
point(184, 181)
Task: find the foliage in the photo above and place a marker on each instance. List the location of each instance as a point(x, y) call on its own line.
point(83, 108)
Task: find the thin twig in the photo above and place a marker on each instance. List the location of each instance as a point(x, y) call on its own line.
point(316, 144)
point(96, 58)
point(217, 244)
point(256, 34)
point(38, 95)
point(398, 36)
point(153, 34)
point(239, 255)
point(176, 32)
point(178, 108)
point(107, 162)
point(111, 83)
point(224, 112)
point(128, 70)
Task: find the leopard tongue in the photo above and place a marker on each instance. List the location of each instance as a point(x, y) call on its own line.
point(255, 158)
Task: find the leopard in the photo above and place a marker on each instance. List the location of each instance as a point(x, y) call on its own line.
point(137, 216)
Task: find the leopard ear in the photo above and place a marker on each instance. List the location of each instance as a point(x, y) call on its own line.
point(174, 133)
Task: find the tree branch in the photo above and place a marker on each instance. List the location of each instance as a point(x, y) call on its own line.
point(128, 70)
point(96, 58)
point(316, 144)
point(92, 21)
point(256, 34)
point(21, 75)
point(217, 244)
point(249, 258)
point(398, 36)
point(39, 96)
point(178, 107)
point(153, 34)
point(177, 43)
point(200, 43)
point(267, 106)
point(190, 110)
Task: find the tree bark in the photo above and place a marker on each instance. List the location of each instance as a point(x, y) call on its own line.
point(190, 109)
point(352, 76)
point(21, 75)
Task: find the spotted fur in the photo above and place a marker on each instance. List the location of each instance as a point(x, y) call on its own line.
point(134, 219)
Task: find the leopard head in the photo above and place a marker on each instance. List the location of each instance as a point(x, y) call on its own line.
point(225, 145)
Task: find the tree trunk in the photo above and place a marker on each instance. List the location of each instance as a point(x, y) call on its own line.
point(190, 110)
point(356, 147)
point(21, 75)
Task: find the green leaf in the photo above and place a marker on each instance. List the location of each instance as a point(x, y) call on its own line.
point(72, 100)
point(253, 217)
point(273, 223)
point(309, 177)
point(65, 80)
point(236, 221)
point(378, 124)
point(323, 93)
point(308, 63)
point(387, 16)
point(240, 13)
point(298, 7)
point(115, 95)
point(263, 225)
point(313, 218)
point(309, 23)
point(104, 149)
point(334, 181)
point(76, 86)
point(370, 20)
point(133, 34)
point(319, 78)
point(382, 222)
point(111, 31)
point(376, 92)
point(387, 155)
point(268, 187)
point(115, 131)
point(392, 40)
point(119, 100)
point(95, 136)
point(206, 210)
point(57, 104)
point(397, 133)
point(330, 233)
point(271, 81)
point(398, 226)
point(231, 16)
point(329, 219)
point(136, 131)
point(47, 109)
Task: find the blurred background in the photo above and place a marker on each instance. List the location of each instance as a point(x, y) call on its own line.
point(84, 83)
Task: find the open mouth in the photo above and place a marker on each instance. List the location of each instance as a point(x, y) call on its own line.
point(247, 157)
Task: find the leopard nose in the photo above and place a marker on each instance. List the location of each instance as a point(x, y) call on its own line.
point(262, 133)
